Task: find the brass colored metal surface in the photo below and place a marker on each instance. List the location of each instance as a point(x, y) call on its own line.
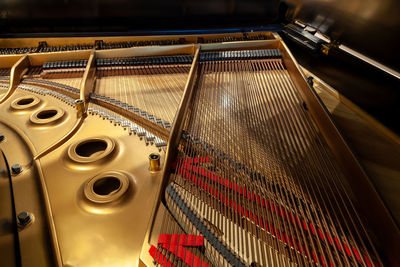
point(106, 144)
point(154, 160)
point(40, 252)
point(80, 107)
point(136, 192)
point(114, 230)
point(41, 58)
point(46, 132)
point(47, 116)
point(19, 68)
point(8, 236)
point(3, 87)
point(9, 60)
point(36, 247)
point(62, 140)
point(87, 84)
point(25, 102)
point(95, 189)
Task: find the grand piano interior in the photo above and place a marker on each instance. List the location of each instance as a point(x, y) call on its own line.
point(199, 133)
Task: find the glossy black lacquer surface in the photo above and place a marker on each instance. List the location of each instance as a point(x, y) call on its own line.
point(74, 16)
point(370, 27)
point(373, 90)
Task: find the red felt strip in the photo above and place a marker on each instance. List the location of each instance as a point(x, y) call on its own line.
point(176, 245)
point(163, 239)
point(316, 231)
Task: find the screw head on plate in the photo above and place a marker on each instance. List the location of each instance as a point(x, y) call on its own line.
point(16, 168)
point(24, 218)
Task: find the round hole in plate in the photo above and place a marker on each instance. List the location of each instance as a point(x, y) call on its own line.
point(91, 147)
point(47, 114)
point(25, 101)
point(106, 186)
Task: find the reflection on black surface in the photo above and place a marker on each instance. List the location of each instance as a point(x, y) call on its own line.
point(368, 26)
point(371, 89)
